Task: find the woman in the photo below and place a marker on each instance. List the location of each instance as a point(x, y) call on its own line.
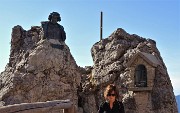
point(111, 105)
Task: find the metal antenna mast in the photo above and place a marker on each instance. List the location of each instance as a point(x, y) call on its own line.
point(101, 25)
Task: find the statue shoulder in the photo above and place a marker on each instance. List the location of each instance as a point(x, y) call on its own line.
point(61, 27)
point(44, 24)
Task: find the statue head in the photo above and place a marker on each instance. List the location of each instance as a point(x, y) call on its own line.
point(54, 17)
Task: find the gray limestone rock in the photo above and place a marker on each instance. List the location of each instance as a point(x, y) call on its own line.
point(44, 70)
point(116, 59)
point(38, 71)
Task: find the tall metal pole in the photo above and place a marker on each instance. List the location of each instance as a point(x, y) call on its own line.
point(101, 25)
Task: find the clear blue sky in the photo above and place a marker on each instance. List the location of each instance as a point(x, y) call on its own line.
point(155, 19)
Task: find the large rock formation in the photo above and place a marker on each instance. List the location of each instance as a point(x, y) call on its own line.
point(117, 60)
point(44, 70)
point(38, 71)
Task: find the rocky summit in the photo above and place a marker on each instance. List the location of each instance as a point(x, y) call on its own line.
point(135, 65)
point(38, 71)
point(41, 70)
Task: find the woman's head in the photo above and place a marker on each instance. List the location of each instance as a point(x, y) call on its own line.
point(111, 92)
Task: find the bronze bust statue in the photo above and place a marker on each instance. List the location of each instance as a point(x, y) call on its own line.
point(53, 30)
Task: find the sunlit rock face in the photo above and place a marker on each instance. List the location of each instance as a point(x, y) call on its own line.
point(44, 70)
point(135, 65)
point(38, 70)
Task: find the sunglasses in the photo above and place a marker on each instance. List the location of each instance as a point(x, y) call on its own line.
point(111, 95)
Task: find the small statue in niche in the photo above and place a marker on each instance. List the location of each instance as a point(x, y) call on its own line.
point(54, 31)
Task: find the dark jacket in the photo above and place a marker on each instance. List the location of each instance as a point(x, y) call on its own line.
point(118, 107)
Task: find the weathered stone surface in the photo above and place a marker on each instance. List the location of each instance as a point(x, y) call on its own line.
point(44, 70)
point(115, 59)
point(37, 71)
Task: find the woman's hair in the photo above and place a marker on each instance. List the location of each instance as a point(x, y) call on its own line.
point(54, 14)
point(109, 89)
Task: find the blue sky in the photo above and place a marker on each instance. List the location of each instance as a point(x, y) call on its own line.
point(155, 19)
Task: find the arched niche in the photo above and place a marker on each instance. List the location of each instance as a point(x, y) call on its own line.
point(140, 76)
point(142, 68)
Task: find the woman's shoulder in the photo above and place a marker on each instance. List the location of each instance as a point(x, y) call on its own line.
point(117, 101)
point(103, 104)
point(120, 106)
